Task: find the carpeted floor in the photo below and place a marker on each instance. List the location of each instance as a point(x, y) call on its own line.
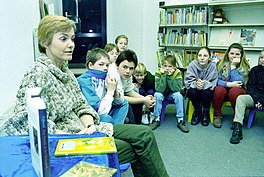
point(206, 151)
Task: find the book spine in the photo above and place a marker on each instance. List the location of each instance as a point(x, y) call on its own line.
point(44, 142)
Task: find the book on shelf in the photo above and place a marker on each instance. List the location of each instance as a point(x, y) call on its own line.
point(217, 56)
point(189, 55)
point(178, 58)
point(189, 15)
point(79, 146)
point(159, 55)
point(248, 36)
point(38, 132)
point(162, 16)
point(89, 170)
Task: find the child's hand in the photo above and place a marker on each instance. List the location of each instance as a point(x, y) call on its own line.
point(162, 70)
point(259, 106)
point(137, 85)
point(238, 84)
point(200, 84)
point(111, 85)
point(171, 71)
point(149, 101)
point(235, 61)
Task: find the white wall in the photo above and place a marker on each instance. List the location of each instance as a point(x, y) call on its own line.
point(17, 19)
point(138, 20)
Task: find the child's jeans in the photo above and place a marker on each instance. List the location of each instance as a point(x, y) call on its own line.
point(176, 97)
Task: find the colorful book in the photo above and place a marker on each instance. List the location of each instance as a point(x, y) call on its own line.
point(78, 146)
point(38, 132)
point(90, 170)
point(248, 36)
point(178, 59)
point(217, 56)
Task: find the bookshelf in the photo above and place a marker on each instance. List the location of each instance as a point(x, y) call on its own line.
point(182, 35)
point(243, 15)
point(183, 29)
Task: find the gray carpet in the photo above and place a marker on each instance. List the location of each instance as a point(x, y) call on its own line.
point(206, 151)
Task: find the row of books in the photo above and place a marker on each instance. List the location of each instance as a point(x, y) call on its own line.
point(184, 59)
point(191, 15)
point(183, 36)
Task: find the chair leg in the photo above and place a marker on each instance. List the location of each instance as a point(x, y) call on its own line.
point(211, 113)
point(251, 117)
point(190, 110)
point(163, 109)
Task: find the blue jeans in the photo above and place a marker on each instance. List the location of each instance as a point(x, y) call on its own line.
point(176, 97)
point(117, 114)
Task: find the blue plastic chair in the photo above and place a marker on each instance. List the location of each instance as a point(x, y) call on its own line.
point(252, 116)
point(123, 167)
point(165, 103)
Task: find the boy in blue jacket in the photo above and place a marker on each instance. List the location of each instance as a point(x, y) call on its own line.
point(100, 90)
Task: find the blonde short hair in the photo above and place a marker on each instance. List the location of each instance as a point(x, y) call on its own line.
point(141, 68)
point(49, 25)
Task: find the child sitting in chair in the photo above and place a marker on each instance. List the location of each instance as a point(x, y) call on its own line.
point(168, 85)
point(254, 97)
point(144, 81)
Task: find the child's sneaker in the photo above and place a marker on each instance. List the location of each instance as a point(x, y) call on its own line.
point(151, 117)
point(181, 125)
point(144, 119)
point(154, 125)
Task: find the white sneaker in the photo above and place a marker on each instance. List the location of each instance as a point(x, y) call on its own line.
point(144, 119)
point(151, 117)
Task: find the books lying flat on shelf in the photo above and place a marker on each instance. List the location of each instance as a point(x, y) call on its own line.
point(77, 146)
point(89, 170)
point(38, 132)
point(248, 36)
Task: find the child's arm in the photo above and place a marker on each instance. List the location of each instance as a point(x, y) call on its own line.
point(175, 81)
point(135, 98)
point(160, 81)
point(191, 76)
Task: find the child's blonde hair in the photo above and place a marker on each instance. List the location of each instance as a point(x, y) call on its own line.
point(141, 68)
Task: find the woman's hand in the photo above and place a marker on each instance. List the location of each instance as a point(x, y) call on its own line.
point(88, 130)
